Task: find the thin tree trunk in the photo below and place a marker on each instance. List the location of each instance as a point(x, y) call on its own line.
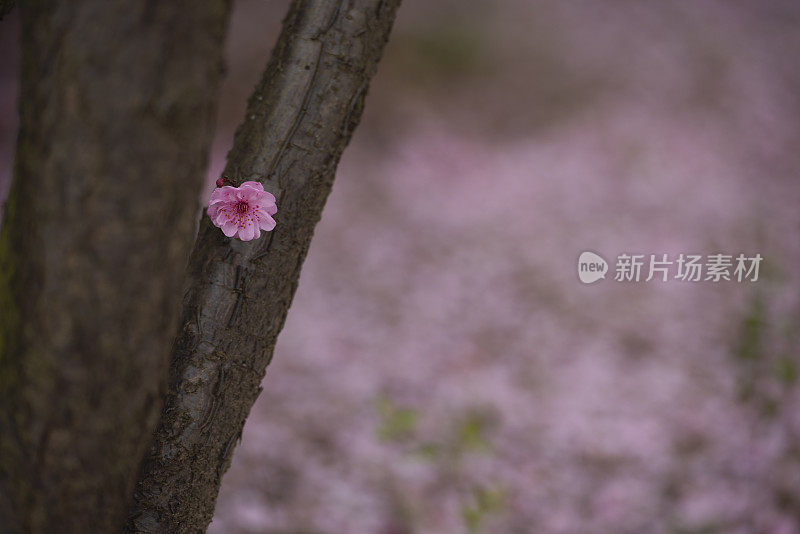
point(298, 121)
point(117, 106)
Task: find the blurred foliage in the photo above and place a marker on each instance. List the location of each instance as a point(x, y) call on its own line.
point(446, 50)
point(786, 369)
point(396, 423)
point(768, 355)
point(468, 432)
point(485, 500)
point(751, 331)
point(472, 429)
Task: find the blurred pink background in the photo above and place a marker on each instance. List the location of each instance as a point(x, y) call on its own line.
point(442, 369)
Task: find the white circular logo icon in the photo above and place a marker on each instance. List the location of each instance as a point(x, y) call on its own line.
point(591, 267)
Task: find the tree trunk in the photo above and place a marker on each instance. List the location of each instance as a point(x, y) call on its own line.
point(117, 106)
point(298, 121)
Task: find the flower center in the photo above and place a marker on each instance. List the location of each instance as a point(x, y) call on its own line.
point(241, 206)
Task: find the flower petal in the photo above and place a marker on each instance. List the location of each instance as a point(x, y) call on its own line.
point(212, 212)
point(222, 214)
point(265, 222)
point(253, 185)
point(247, 230)
point(266, 202)
point(230, 228)
point(222, 194)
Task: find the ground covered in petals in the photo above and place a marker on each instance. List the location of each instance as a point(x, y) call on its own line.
point(442, 370)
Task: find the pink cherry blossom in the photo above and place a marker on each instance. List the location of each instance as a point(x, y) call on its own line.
point(242, 211)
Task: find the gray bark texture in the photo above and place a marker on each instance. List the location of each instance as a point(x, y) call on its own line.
point(117, 108)
point(298, 122)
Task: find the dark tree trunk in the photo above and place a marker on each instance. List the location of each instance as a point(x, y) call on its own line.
point(117, 104)
point(237, 295)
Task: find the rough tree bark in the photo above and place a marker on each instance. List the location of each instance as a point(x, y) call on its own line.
point(298, 121)
point(117, 105)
